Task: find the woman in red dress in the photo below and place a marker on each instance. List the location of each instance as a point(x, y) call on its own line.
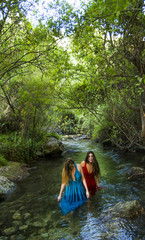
point(91, 172)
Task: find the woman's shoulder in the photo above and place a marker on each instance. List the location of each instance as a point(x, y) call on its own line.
point(82, 164)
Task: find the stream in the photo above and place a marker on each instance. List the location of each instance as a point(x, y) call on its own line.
point(31, 211)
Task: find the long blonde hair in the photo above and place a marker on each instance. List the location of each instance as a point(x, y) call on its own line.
point(67, 171)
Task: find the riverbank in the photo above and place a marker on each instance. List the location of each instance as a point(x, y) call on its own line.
point(14, 171)
point(9, 175)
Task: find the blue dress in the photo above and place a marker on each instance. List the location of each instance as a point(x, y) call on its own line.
point(75, 194)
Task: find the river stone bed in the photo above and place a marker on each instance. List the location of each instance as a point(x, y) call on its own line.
point(43, 226)
point(22, 224)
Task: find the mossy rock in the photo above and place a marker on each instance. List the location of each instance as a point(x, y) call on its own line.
point(14, 171)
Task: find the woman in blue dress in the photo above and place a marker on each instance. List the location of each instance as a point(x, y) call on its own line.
point(74, 183)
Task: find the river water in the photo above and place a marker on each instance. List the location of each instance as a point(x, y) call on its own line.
point(31, 212)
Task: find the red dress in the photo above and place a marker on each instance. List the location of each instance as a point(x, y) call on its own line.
point(90, 179)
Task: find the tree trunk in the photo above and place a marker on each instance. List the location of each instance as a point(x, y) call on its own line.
point(8, 100)
point(142, 112)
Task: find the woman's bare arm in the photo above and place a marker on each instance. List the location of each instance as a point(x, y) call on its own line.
point(82, 164)
point(62, 187)
point(97, 179)
point(61, 190)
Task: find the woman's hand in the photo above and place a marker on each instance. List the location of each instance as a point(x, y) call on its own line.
point(87, 194)
point(59, 198)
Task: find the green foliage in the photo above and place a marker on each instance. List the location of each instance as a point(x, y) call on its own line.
point(3, 161)
point(108, 45)
point(18, 149)
point(46, 135)
point(68, 124)
point(95, 87)
point(62, 19)
point(120, 125)
point(32, 65)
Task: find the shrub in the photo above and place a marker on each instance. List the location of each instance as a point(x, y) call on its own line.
point(3, 161)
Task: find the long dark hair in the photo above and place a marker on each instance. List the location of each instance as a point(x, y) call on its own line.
point(67, 171)
point(96, 168)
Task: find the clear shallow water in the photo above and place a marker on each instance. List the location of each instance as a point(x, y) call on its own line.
point(31, 212)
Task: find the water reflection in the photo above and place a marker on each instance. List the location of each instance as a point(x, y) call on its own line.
point(31, 212)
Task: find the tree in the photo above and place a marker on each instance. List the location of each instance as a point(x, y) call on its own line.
point(108, 42)
point(20, 44)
